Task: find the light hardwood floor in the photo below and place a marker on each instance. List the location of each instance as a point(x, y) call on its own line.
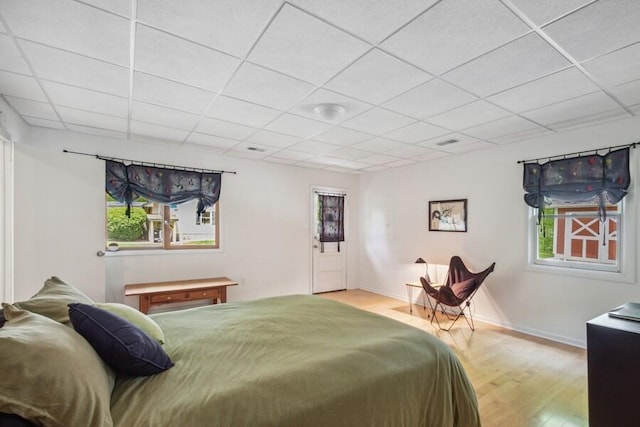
point(520, 380)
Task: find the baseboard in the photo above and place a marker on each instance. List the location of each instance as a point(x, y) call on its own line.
point(528, 331)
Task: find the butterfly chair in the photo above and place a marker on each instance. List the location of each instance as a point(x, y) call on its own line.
point(457, 291)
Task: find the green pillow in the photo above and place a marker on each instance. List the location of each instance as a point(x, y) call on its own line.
point(53, 299)
point(136, 317)
point(50, 374)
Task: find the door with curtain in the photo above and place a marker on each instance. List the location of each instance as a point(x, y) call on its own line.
point(329, 245)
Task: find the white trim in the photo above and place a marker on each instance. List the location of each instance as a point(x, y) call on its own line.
point(6, 220)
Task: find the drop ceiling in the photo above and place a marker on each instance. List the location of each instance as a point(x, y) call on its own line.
point(243, 77)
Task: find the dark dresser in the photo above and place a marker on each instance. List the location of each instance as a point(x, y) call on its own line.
point(613, 355)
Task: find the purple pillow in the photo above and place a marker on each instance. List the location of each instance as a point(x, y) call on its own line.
point(120, 343)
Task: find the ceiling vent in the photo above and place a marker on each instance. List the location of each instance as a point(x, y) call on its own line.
point(447, 142)
point(256, 149)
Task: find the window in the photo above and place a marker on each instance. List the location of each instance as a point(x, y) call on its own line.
point(154, 225)
point(574, 236)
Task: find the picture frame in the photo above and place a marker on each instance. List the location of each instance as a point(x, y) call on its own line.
point(448, 215)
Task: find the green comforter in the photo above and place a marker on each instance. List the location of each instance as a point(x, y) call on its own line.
point(298, 361)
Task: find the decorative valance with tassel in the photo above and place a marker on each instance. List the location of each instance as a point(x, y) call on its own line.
point(594, 178)
point(162, 185)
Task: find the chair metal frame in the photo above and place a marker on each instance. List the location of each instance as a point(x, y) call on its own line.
point(445, 296)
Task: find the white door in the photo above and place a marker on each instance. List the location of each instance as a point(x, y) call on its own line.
point(329, 259)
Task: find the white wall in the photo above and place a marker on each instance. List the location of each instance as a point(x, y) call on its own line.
point(265, 214)
point(394, 232)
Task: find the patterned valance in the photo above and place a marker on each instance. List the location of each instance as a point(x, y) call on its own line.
point(584, 179)
point(162, 185)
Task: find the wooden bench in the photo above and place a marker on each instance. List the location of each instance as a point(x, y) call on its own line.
point(158, 293)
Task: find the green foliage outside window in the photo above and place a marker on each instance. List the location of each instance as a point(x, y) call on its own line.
point(545, 234)
point(125, 229)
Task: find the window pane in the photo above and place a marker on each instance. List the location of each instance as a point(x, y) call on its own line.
point(185, 228)
point(134, 231)
point(577, 235)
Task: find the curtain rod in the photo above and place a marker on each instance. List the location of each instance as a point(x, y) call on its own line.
point(139, 163)
point(328, 193)
point(578, 153)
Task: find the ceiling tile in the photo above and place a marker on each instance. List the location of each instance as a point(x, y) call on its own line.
point(203, 147)
point(319, 49)
point(522, 135)
point(377, 121)
point(315, 147)
point(351, 164)
point(350, 154)
point(163, 116)
point(70, 25)
point(96, 131)
point(231, 26)
point(575, 111)
point(429, 99)
point(357, 16)
point(547, 90)
point(21, 86)
point(453, 32)
point(121, 7)
point(307, 106)
point(238, 111)
point(224, 129)
point(297, 126)
point(261, 86)
point(212, 141)
point(379, 145)
point(416, 132)
point(464, 143)
point(293, 155)
point(376, 77)
point(469, 115)
point(410, 151)
point(273, 139)
point(523, 60)
point(11, 59)
point(342, 136)
point(599, 28)
point(501, 127)
point(617, 67)
point(399, 163)
point(77, 70)
point(87, 118)
point(628, 93)
point(156, 90)
point(251, 150)
point(190, 63)
point(85, 99)
point(157, 132)
point(543, 11)
point(379, 159)
point(36, 121)
point(41, 110)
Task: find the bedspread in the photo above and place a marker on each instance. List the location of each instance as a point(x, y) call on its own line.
point(296, 360)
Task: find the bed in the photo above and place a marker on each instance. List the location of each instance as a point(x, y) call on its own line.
point(295, 360)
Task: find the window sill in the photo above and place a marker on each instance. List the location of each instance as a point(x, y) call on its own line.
point(160, 252)
point(608, 276)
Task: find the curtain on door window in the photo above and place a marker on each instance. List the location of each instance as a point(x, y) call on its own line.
point(331, 210)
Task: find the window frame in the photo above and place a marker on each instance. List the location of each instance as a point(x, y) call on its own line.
point(624, 272)
point(166, 246)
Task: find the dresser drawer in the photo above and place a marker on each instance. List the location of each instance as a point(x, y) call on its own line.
point(170, 297)
point(186, 296)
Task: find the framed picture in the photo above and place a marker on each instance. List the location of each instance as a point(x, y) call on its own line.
point(448, 215)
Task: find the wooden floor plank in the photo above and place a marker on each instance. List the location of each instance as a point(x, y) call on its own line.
point(520, 380)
